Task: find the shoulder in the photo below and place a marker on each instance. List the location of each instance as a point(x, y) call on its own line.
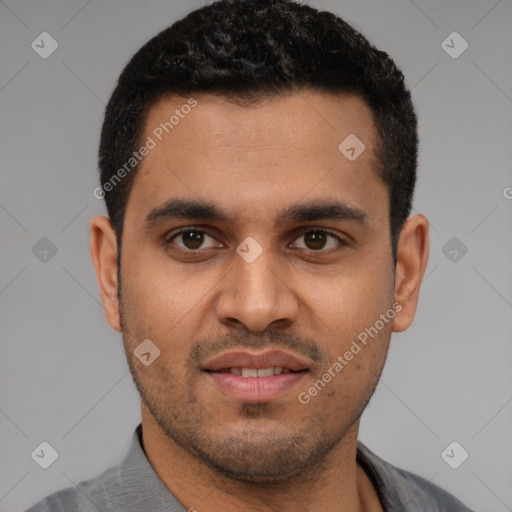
point(86, 496)
point(401, 490)
point(131, 485)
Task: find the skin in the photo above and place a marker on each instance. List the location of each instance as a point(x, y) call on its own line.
point(212, 451)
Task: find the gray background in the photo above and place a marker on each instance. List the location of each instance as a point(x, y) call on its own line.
point(64, 378)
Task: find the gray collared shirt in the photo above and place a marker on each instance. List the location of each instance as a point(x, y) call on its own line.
point(133, 486)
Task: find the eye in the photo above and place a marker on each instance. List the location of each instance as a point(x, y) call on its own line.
point(192, 239)
point(316, 240)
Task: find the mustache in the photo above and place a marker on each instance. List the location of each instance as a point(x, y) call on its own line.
point(206, 348)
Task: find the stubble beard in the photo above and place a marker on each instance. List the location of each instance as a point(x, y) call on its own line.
point(254, 455)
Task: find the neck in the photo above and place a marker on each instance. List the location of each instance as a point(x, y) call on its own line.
point(337, 485)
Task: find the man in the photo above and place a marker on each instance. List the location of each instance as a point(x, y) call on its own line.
point(258, 162)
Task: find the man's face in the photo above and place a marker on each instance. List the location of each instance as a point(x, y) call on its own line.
point(213, 310)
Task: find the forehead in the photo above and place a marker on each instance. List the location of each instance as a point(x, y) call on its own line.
point(262, 156)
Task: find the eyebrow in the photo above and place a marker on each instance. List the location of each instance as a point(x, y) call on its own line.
point(177, 208)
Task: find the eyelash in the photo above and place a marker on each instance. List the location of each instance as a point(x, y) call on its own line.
point(169, 240)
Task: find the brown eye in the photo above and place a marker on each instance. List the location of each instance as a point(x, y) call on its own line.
point(191, 240)
point(318, 239)
point(315, 240)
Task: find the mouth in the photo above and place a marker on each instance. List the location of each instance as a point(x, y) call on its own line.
point(255, 377)
point(257, 372)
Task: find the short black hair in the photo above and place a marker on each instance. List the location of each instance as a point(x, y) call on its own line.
point(247, 50)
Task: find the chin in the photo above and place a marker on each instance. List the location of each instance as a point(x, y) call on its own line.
point(264, 457)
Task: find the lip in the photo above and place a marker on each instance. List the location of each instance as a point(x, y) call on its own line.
point(255, 389)
point(245, 359)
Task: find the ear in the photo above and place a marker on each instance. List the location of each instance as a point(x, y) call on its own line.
point(104, 258)
point(412, 259)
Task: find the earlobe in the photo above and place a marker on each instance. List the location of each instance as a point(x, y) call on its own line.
point(104, 257)
point(412, 259)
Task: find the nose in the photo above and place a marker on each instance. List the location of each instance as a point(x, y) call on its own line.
point(256, 295)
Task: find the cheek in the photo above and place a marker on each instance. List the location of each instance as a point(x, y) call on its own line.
point(353, 299)
point(160, 289)
point(349, 308)
point(163, 303)
point(355, 362)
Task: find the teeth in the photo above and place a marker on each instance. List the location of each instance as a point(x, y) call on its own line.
point(265, 372)
point(259, 372)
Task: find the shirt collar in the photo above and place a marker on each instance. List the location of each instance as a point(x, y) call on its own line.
point(139, 480)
